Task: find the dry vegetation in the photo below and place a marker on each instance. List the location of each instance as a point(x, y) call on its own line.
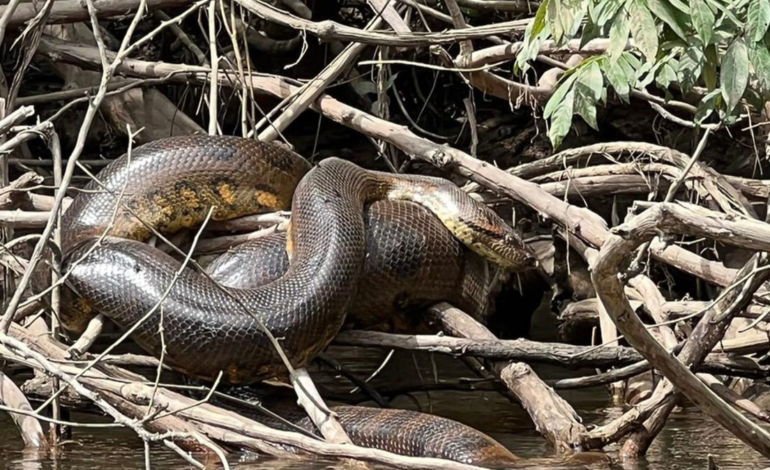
point(628, 140)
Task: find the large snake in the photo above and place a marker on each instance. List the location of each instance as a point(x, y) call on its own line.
point(305, 294)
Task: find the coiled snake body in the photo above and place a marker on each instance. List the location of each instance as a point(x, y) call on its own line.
point(173, 183)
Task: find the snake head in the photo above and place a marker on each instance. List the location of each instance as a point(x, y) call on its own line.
point(507, 249)
point(484, 232)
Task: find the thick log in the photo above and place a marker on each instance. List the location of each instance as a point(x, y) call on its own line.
point(588, 311)
point(31, 431)
point(552, 415)
point(14, 195)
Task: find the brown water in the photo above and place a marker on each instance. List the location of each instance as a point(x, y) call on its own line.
point(686, 442)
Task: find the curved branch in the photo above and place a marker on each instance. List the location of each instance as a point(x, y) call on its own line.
point(690, 220)
point(329, 30)
point(712, 182)
point(74, 11)
point(507, 52)
point(512, 6)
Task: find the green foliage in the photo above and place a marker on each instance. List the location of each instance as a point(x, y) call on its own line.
point(703, 20)
point(758, 20)
point(718, 49)
point(643, 30)
point(619, 33)
point(735, 74)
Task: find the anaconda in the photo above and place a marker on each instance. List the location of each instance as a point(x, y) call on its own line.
point(177, 182)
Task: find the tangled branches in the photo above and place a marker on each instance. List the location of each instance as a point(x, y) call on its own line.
point(651, 225)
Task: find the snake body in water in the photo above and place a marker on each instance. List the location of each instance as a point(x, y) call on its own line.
point(303, 295)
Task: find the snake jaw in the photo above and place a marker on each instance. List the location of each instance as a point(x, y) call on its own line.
point(528, 258)
point(507, 249)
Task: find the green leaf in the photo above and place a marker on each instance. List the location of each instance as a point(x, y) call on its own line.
point(642, 73)
point(562, 120)
point(621, 77)
point(590, 81)
point(539, 22)
point(690, 68)
point(619, 32)
point(585, 107)
point(589, 89)
point(591, 31)
point(707, 106)
point(671, 44)
point(643, 30)
point(557, 31)
point(702, 19)
point(738, 4)
point(734, 74)
point(578, 9)
point(725, 11)
point(630, 65)
point(364, 87)
point(565, 17)
point(391, 80)
point(561, 91)
point(710, 67)
point(633, 62)
point(650, 75)
point(666, 75)
point(721, 35)
point(754, 99)
point(605, 11)
point(531, 48)
point(666, 12)
point(681, 6)
point(760, 60)
point(758, 19)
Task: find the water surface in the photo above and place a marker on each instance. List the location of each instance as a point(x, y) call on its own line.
point(686, 442)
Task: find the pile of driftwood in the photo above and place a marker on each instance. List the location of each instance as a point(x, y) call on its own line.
point(647, 244)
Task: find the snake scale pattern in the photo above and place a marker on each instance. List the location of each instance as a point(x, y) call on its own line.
point(361, 247)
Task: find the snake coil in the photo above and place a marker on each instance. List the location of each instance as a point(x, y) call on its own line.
point(173, 183)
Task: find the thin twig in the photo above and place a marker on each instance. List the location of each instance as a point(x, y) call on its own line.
point(311, 90)
point(214, 84)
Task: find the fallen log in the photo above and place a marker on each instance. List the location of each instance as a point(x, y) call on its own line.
point(522, 350)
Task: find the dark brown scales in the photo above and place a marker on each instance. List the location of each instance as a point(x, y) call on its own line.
point(173, 183)
point(412, 263)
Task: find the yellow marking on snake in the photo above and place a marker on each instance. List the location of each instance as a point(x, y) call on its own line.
point(266, 199)
point(232, 373)
point(163, 203)
point(226, 193)
point(190, 198)
point(84, 306)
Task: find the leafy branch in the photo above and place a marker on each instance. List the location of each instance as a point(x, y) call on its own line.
point(713, 52)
